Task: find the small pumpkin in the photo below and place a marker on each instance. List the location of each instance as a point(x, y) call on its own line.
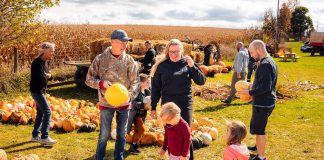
point(23, 119)
point(206, 138)
point(204, 69)
point(68, 124)
point(3, 155)
point(213, 132)
point(225, 70)
point(15, 116)
point(148, 138)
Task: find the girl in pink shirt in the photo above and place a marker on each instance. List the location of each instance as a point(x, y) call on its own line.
point(177, 133)
point(236, 150)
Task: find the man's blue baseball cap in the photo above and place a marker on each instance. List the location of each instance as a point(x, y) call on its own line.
point(120, 35)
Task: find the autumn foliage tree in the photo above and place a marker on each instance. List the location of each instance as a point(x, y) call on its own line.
point(19, 19)
point(284, 20)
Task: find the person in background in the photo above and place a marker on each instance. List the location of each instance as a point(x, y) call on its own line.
point(149, 58)
point(138, 113)
point(40, 74)
point(240, 69)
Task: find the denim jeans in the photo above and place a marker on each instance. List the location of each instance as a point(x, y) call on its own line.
point(43, 117)
point(106, 117)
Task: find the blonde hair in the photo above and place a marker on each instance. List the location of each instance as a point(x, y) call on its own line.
point(166, 54)
point(45, 46)
point(258, 44)
point(170, 110)
point(237, 131)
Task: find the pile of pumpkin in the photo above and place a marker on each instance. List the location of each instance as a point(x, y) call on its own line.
point(219, 67)
point(67, 115)
point(202, 132)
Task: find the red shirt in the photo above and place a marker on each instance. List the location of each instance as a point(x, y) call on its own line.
point(177, 138)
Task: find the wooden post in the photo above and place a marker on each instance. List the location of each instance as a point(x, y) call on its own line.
point(15, 60)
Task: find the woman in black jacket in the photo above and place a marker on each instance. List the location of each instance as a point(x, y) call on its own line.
point(38, 81)
point(172, 78)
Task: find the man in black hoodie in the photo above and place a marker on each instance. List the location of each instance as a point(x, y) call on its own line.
point(263, 94)
point(149, 58)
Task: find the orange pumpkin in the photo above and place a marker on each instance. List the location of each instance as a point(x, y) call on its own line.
point(23, 119)
point(148, 138)
point(6, 117)
point(204, 69)
point(225, 70)
point(15, 116)
point(129, 137)
point(160, 139)
point(205, 122)
point(68, 124)
point(245, 97)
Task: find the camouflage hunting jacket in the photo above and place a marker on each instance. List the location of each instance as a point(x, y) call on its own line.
point(116, 70)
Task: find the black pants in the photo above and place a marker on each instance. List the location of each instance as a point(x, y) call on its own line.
point(251, 67)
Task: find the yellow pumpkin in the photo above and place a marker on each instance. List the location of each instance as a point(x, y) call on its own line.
point(214, 133)
point(68, 124)
point(116, 95)
point(241, 85)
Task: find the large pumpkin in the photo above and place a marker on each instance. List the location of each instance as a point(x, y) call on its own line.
point(3, 155)
point(68, 124)
point(241, 85)
point(116, 95)
point(148, 138)
point(204, 69)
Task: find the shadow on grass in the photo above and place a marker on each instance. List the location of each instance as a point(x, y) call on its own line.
point(74, 91)
point(23, 149)
point(221, 106)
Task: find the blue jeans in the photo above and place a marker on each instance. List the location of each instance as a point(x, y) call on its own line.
point(43, 117)
point(106, 117)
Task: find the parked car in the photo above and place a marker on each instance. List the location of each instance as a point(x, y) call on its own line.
point(306, 47)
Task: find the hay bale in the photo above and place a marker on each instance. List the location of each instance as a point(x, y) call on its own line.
point(98, 46)
point(136, 47)
point(187, 48)
point(198, 57)
point(159, 48)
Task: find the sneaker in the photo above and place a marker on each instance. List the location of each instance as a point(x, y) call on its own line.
point(226, 101)
point(257, 158)
point(35, 139)
point(47, 141)
point(133, 149)
point(252, 148)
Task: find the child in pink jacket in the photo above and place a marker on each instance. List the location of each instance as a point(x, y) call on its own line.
point(236, 150)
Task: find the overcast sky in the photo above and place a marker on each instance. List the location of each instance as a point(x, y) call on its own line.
point(209, 13)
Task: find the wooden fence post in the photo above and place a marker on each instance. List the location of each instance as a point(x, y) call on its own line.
point(15, 60)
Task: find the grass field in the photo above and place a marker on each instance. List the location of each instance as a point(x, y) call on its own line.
point(295, 129)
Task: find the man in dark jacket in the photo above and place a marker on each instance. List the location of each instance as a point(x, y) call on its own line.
point(263, 94)
point(207, 52)
point(149, 58)
point(38, 81)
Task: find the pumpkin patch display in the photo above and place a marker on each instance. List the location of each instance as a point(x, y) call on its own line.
point(116, 95)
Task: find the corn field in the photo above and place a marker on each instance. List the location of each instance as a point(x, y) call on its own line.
point(72, 41)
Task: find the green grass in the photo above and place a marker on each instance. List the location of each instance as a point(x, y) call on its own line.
point(295, 129)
